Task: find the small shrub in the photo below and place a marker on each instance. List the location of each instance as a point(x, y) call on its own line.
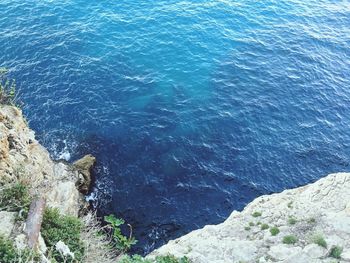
point(98, 246)
point(251, 224)
point(121, 242)
point(264, 226)
point(15, 198)
point(290, 205)
point(159, 259)
point(336, 252)
point(290, 239)
point(274, 231)
point(311, 220)
point(256, 214)
point(247, 228)
point(57, 227)
point(171, 259)
point(7, 88)
point(319, 240)
point(292, 221)
point(9, 254)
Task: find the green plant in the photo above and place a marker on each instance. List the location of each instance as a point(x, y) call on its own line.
point(256, 214)
point(251, 224)
point(336, 252)
point(57, 227)
point(264, 226)
point(15, 198)
point(290, 205)
point(247, 228)
point(274, 231)
point(319, 240)
point(7, 88)
point(121, 242)
point(290, 239)
point(311, 220)
point(9, 254)
point(159, 259)
point(292, 220)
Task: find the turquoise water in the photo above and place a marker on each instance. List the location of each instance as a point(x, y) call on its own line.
point(193, 108)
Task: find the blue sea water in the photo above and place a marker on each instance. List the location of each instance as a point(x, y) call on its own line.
point(193, 108)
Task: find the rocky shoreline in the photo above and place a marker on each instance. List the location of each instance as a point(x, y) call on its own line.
point(306, 224)
point(26, 163)
point(23, 158)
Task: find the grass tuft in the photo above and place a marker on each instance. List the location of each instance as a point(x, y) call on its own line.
point(256, 214)
point(336, 252)
point(264, 226)
point(7, 88)
point(292, 220)
point(311, 220)
point(159, 259)
point(15, 198)
point(98, 247)
point(9, 253)
point(290, 239)
point(274, 231)
point(57, 227)
point(319, 240)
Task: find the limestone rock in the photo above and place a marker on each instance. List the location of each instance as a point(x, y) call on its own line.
point(84, 166)
point(64, 250)
point(42, 244)
point(65, 197)
point(315, 251)
point(7, 222)
point(21, 242)
point(22, 157)
point(281, 252)
point(321, 207)
point(345, 255)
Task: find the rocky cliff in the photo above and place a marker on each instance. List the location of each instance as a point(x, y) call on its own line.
point(24, 163)
point(22, 158)
point(306, 224)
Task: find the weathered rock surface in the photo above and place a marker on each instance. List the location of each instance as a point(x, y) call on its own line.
point(23, 158)
point(7, 222)
point(320, 209)
point(84, 166)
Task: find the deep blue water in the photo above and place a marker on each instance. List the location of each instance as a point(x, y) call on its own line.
point(193, 108)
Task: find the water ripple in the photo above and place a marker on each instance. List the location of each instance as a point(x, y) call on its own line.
point(192, 108)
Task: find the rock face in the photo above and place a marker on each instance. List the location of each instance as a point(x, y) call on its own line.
point(23, 158)
point(24, 162)
point(311, 214)
point(7, 220)
point(84, 166)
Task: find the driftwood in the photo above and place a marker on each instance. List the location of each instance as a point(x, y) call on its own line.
point(33, 223)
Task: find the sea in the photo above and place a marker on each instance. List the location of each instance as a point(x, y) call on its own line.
point(192, 108)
